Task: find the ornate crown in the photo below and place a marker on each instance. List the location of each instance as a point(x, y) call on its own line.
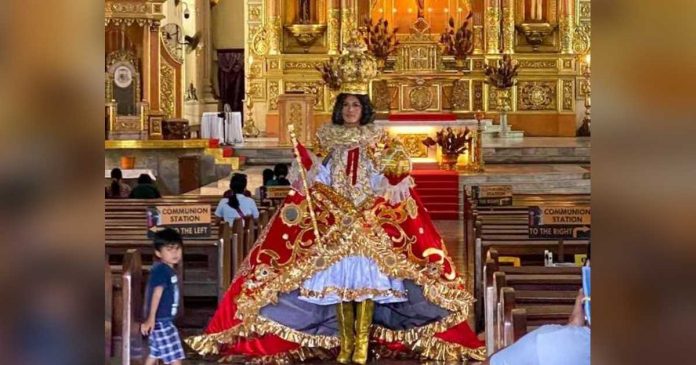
point(356, 67)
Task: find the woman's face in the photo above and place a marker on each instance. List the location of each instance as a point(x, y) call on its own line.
point(352, 111)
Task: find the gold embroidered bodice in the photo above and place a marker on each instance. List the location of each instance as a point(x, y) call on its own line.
point(339, 141)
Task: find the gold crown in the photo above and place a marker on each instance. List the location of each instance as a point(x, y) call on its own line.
point(356, 67)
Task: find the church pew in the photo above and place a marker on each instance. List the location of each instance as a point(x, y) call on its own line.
point(543, 295)
point(108, 311)
point(199, 269)
point(128, 293)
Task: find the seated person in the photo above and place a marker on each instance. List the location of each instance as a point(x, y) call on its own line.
point(280, 171)
point(145, 189)
point(234, 203)
point(117, 189)
point(260, 192)
point(551, 344)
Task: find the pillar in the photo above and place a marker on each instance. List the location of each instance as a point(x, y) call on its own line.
point(492, 26)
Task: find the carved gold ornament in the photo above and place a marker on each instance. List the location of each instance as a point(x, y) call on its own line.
point(259, 42)
point(568, 95)
point(538, 64)
point(421, 97)
point(460, 95)
point(167, 82)
point(537, 95)
point(413, 144)
point(381, 95)
point(273, 92)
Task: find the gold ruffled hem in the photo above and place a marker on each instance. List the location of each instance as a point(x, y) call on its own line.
point(349, 295)
point(421, 340)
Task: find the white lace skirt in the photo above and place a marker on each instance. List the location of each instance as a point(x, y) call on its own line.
point(352, 279)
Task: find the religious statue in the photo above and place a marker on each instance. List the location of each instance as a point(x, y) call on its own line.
point(305, 13)
point(421, 6)
point(533, 10)
point(352, 260)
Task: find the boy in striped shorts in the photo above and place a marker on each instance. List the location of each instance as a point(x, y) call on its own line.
point(162, 301)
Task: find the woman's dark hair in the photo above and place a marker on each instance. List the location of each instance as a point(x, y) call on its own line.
point(116, 175)
point(280, 169)
point(238, 184)
point(267, 176)
point(367, 115)
point(144, 179)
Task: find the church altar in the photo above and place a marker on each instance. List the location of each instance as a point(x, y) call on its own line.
point(289, 39)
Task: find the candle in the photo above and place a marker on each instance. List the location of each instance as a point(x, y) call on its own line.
point(459, 14)
point(142, 116)
point(446, 18)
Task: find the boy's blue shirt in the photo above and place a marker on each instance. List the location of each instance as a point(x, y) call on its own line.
point(163, 275)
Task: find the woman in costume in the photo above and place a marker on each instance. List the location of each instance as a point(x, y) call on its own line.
point(351, 261)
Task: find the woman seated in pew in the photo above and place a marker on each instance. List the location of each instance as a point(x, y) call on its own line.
point(145, 189)
point(118, 189)
point(551, 344)
point(280, 170)
point(235, 204)
point(260, 192)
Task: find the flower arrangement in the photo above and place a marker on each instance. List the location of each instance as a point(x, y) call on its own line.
point(458, 43)
point(380, 41)
point(329, 73)
point(502, 75)
point(451, 143)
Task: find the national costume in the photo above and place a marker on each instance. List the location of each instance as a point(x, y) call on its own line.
point(350, 261)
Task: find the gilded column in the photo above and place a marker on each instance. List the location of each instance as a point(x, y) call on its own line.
point(478, 34)
point(274, 27)
point(566, 24)
point(146, 62)
point(508, 26)
point(348, 21)
point(205, 59)
point(492, 26)
point(154, 73)
point(333, 30)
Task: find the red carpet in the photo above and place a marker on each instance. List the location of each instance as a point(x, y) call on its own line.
point(439, 191)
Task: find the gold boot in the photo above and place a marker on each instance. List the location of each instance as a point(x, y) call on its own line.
point(363, 321)
point(344, 313)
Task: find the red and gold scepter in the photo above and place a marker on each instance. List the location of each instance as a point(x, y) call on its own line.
point(303, 174)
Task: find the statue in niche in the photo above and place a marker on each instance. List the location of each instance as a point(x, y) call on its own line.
point(534, 10)
point(421, 6)
point(305, 14)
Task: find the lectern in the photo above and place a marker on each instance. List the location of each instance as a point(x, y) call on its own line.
point(296, 109)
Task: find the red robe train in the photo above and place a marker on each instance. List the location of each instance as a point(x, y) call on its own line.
point(400, 238)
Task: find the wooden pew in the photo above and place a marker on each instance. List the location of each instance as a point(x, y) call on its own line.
point(518, 298)
point(108, 311)
point(131, 309)
point(506, 229)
